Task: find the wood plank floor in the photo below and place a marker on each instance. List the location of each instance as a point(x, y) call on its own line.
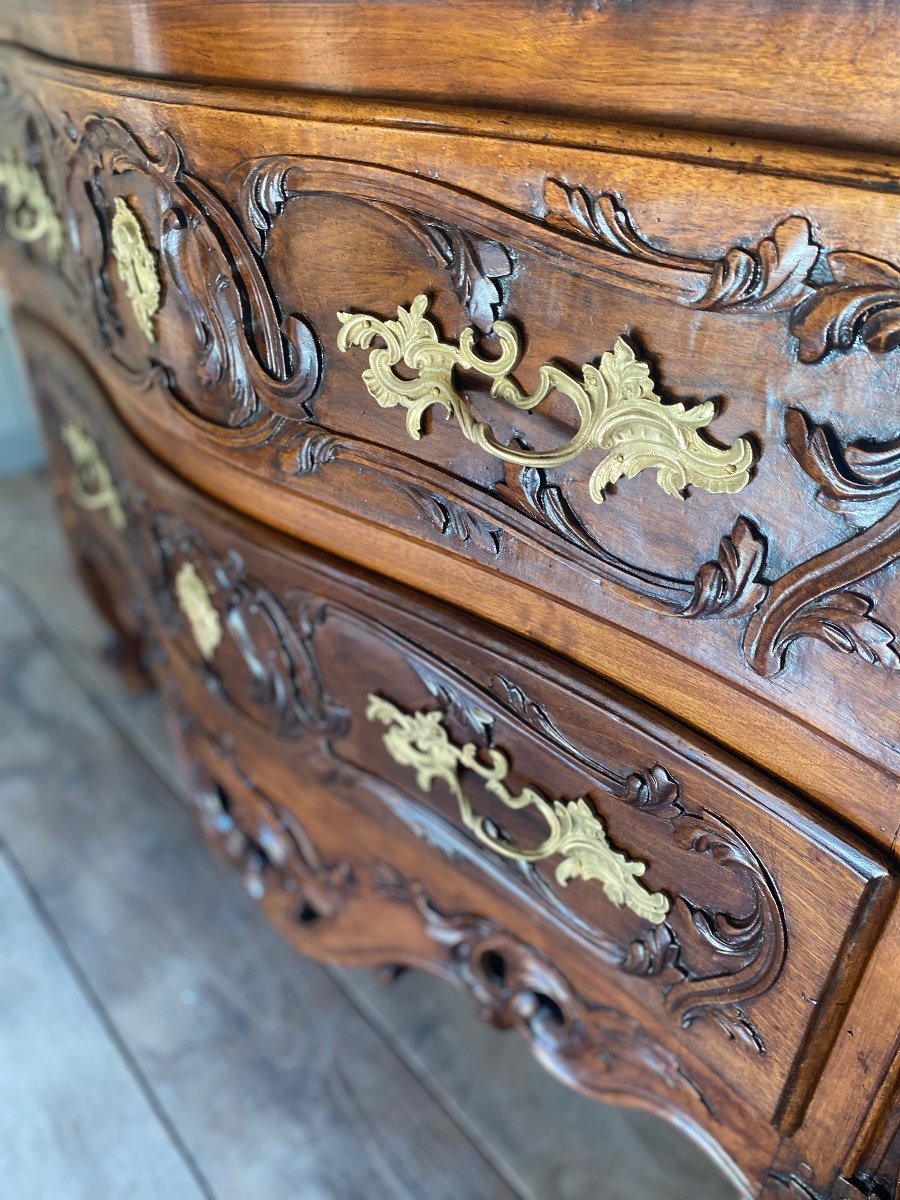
point(158, 1040)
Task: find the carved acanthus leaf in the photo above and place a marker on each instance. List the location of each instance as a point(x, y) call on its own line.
point(453, 520)
point(843, 620)
point(861, 303)
point(476, 265)
point(835, 299)
point(733, 583)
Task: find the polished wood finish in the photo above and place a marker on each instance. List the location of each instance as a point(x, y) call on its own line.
point(229, 263)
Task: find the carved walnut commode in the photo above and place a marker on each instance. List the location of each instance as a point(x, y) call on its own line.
point(482, 423)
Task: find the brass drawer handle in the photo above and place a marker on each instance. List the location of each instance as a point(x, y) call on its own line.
point(618, 409)
point(92, 484)
point(419, 740)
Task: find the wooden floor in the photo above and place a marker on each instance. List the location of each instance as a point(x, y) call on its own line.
point(158, 1040)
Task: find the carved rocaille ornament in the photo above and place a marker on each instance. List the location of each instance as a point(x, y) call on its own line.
point(618, 409)
point(592, 1047)
point(254, 653)
point(244, 366)
point(577, 835)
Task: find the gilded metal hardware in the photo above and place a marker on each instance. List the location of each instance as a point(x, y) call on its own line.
point(617, 406)
point(201, 614)
point(30, 213)
point(419, 740)
point(92, 484)
point(137, 266)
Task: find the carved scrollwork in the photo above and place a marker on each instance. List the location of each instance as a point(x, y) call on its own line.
point(816, 599)
point(479, 266)
point(590, 1047)
point(253, 652)
point(617, 406)
point(248, 362)
point(747, 948)
point(835, 299)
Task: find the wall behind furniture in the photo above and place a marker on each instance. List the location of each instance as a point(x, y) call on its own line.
point(21, 448)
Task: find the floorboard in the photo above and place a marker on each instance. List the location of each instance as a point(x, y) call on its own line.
point(75, 1124)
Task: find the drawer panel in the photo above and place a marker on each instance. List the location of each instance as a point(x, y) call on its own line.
point(709, 902)
point(518, 374)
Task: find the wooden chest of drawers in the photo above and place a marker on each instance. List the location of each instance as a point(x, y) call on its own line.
point(508, 507)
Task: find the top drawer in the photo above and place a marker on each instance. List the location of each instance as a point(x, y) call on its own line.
point(580, 373)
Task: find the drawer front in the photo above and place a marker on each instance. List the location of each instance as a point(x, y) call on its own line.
point(710, 903)
point(550, 368)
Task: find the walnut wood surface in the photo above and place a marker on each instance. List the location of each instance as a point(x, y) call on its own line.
point(760, 275)
point(826, 72)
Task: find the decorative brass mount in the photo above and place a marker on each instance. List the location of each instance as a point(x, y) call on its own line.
point(200, 612)
point(137, 266)
point(92, 484)
point(419, 740)
point(618, 409)
point(30, 213)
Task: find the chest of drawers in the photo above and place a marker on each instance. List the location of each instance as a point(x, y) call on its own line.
point(483, 427)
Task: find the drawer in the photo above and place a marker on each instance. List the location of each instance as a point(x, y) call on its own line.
point(649, 868)
point(493, 366)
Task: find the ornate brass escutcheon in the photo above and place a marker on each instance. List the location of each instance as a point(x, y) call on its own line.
point(30, 213)
point(137, 266)
point(196, 603)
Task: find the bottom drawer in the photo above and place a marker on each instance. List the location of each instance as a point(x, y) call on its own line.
point(401, 783)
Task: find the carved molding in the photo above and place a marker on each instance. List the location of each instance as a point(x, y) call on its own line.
point(835, 299)
point(617, 406)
